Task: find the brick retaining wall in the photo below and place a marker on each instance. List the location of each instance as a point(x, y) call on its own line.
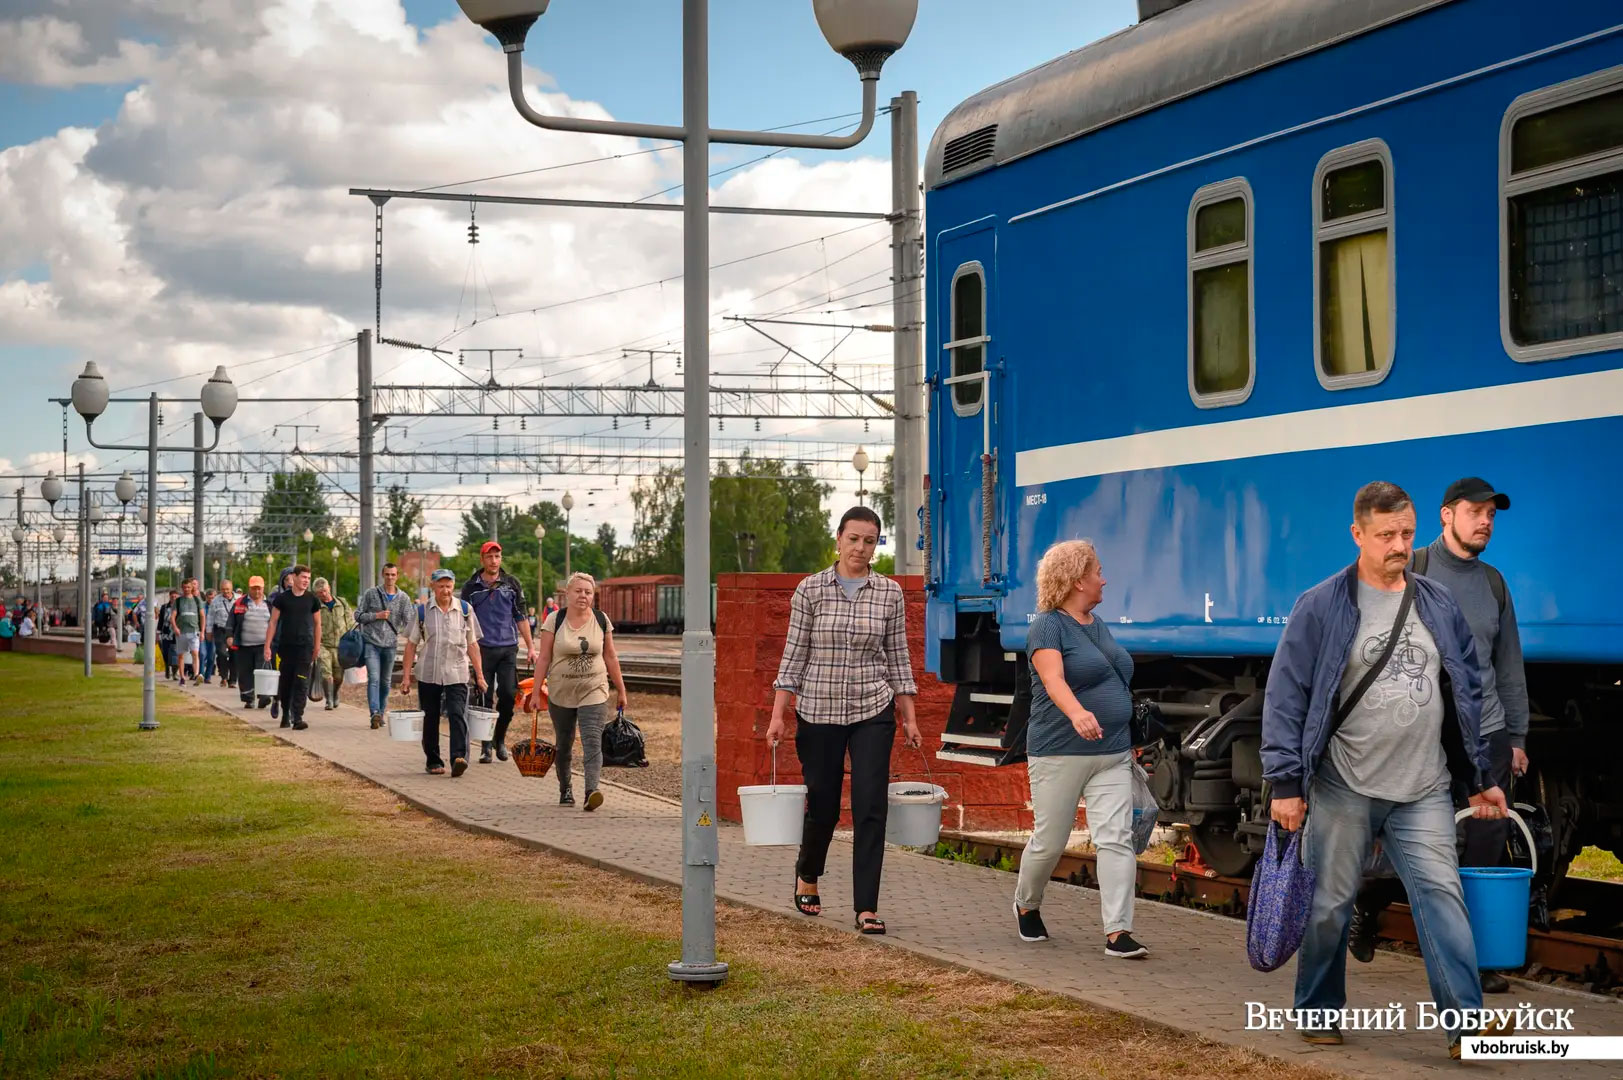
point(752, 620)
point(55, 645)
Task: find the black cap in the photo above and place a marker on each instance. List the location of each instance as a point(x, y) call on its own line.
point(1475, 489)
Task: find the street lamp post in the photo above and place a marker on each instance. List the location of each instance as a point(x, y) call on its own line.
point(540, 575)
point(90, 399)
point(309, 537)
point(215, 566)
point(568, 505)
point(51, 490)
point(125, 490)
point(866, 32)
point(859, 462)
point(335, 571)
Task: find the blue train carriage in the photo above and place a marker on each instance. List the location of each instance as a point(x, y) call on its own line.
point(1194, 284)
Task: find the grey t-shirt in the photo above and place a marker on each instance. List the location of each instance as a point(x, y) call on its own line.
point(1390, 746)
point(1097, 670)
point(851, 585)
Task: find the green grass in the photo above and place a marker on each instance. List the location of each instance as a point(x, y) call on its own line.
point(191, 903)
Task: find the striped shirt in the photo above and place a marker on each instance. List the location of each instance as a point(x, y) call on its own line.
point(846, 657)
point(220, 612)
point(442, 639)
point(255, 621)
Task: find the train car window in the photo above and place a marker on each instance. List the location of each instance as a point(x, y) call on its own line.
point(1222, 351)
point(1561, 242)
point(968, 344)
point(1355, 297)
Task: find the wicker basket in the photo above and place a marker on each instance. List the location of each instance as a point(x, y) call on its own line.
point(534, 756)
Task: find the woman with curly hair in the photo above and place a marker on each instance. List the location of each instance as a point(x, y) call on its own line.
point(1078, 744)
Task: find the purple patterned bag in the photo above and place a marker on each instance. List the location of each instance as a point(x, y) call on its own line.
point(1281, 901)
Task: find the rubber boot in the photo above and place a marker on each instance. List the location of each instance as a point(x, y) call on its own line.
point(332, 694)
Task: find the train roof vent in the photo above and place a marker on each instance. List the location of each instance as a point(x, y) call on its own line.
point(965, 150)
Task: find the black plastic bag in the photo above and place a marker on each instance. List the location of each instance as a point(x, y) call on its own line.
point(623, 744)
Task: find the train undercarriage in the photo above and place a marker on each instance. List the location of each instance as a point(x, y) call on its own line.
point(1207, 773)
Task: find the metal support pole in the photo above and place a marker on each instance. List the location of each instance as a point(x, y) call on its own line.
point(700, 848)
point(907, 239)
point(368, 489)
point(118, 623)
point(84, 566)
point(197, 500)
point(149, 623)
point(567, 539)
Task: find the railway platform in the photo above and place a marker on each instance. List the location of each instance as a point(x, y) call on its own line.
point(1196, 979)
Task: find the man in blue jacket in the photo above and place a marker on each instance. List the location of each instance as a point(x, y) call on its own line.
point(497, 600)
point(1378, 764)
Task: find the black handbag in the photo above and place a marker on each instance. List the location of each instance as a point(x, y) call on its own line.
point(1147, 725)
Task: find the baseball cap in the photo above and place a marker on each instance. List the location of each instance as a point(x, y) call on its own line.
point(442, 574)
point(1475, 489)
point(488, 546)
point(256, 580)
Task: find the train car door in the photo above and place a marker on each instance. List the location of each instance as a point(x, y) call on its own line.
point(964, 405)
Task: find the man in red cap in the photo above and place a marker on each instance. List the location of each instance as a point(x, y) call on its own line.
point(497, 600)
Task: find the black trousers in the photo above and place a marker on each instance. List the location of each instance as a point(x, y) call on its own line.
point(452, 700)
point(293, 688)
point(1484, 840)
point(246, 660)
point(500, 664)
point(822, 749)
point(222, 657)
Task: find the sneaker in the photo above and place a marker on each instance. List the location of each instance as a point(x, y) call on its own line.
point(566, 799)
point(276, 708)
point(484, 754)
point(594, 799)
point(1494, 983)
point(1124, 947)
point(1361, 934)
point(1031, 925)
point(299, 724)
point(1322, 1036)
point(459, 766)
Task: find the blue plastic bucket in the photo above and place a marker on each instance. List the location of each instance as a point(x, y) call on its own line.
point(1496, 898)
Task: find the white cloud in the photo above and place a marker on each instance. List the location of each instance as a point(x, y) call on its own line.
point(209, 221)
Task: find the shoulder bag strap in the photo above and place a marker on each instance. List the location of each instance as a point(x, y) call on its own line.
point(1352, 699)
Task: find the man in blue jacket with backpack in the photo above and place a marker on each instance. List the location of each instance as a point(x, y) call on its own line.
point(1373, 707)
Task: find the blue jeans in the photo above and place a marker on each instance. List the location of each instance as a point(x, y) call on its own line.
point(1419, 838)
point(207, 649)
point(379, 670)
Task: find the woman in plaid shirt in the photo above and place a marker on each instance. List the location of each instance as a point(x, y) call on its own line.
point(846, 667)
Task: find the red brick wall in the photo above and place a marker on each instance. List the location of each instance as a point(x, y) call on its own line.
point(752, 619)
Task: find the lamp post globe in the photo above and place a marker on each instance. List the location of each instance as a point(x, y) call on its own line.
point(59, 534)
point(90, 393)
point(568, 502)
point(866, 32)
point(859, 461)
point(308, 536)
point(219, 397)
point(215, 566)
point(141, 514)
point(50, 488)
point(18, 535)
point(508, 20)
point(540, 533)
point(96, 514)
point(125, 488)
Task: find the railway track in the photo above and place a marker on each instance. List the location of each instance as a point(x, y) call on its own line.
point(654, 673)
point(1576, 952)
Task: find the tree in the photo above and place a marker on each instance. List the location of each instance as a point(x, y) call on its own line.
point(293, 502)
point(656, 536)
point(608, 543)
point(811, 542)
point(884, 499)
point(495, 520)
point(403, 515)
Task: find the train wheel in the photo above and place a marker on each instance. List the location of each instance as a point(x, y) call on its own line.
point(1220, 848)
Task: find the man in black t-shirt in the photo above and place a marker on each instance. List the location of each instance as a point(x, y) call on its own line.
point(297, 613)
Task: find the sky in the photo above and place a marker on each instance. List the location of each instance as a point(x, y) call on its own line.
point(174, 176)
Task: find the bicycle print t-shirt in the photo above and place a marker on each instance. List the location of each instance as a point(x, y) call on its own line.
point(1390, 746)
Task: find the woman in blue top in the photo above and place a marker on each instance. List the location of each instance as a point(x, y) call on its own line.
point(1078, 745)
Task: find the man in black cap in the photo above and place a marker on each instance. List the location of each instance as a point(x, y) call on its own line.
point(1454, 560)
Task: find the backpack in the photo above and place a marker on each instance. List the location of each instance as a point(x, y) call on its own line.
point(1496, 580)
point(602, 621)
point(623, 743)
point(422, 612)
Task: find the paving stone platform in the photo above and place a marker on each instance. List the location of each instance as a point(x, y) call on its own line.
point(1196, 978)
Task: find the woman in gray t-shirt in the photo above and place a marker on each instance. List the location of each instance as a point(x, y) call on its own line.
point(1078, 744)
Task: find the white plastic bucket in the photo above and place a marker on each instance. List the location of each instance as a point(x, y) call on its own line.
point(406, 725)
point(265, 681)
point(914, 818)
point(773, 813)
point(355, 676)
point(481, 724)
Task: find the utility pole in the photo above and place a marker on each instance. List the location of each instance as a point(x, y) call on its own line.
point(197, 498)
point(906, 241)
point(368, 492)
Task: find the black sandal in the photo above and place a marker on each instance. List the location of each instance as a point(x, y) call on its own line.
point(870, 924)
point(804, 902)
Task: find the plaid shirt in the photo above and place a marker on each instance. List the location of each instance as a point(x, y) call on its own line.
point(845, 658)
point(442, 639)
